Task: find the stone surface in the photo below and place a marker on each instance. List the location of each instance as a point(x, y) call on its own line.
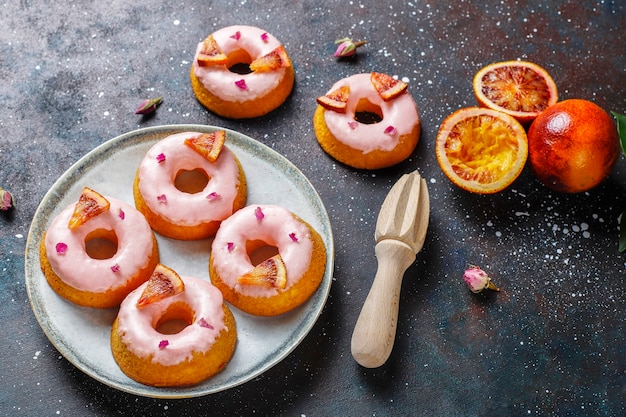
point(551, 342)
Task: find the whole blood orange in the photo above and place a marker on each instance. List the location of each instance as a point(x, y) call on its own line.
point(573, 146)
point(518, 88)
point(481, 150)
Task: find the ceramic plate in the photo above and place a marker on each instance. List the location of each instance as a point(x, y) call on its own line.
point(82, 334)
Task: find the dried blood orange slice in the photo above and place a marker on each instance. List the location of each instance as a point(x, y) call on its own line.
point(211, 54)
point(481, 150)
point(278, 58)
point(208, 145)
point(335, 100)
point(90, 204)
point(387, 87)
point(518, 88)
point(270, 273)
point(164, 282)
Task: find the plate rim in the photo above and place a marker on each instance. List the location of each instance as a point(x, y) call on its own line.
point(69, 177)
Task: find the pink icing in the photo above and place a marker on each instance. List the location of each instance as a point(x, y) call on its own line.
point(77, 269)
point(227, 85)
point(137, 325)
point(400, 117)
point(156, 182)
point(278, 228)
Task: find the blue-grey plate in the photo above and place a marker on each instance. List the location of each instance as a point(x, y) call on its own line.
point(82, 334)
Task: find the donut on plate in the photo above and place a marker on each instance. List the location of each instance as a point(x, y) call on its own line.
point(173, 331)
point(188, 183)
point(367, 121)
point(266, 260)
point(241, 72)
point(98, 250)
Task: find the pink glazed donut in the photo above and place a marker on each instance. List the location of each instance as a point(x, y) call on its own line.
point(176, 341)
point(184, 195)
point(368, 143)
point(241, 72)
point(98, 263)
point(289, 270)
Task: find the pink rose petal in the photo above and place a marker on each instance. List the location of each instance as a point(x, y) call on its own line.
point(163, 344)
point(61, 248)
point(259, 214)
point(115, 268)
point(121, 214)
point(264, 36)
point(160, 158)
point(293, 237)
point(230, 246)
point(390, 130)
point(353, 124)
point(236, 36)
point(212, 196)
point(203, 323)
point(241, 84)
point(162, 198)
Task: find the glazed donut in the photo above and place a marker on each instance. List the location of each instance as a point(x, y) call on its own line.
point(178, 340)
point(246, 241)
point(241, 72)
point(97, 263)
point(386, 135)
point(182, 193)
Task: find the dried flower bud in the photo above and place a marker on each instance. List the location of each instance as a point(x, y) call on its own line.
point(6, 200)
point(478, 280)
point(149, 106)
point(347, 47)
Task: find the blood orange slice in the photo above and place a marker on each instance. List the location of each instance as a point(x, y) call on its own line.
point(387, 87)
point(336, 100)
point(518, 88)
point(208, 145)
point(90, 204)
point(269, 273)
point(274, 60)
point(481, 150)
point(211, 54)
point(164, 282)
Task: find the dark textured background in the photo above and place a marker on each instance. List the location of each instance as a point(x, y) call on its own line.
point(550, 343)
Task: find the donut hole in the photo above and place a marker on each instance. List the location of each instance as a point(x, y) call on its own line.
point(258, 251)
point(239, 62)
point(174, 319)
point(191, 182)
point(101, 244)
point(367, 112)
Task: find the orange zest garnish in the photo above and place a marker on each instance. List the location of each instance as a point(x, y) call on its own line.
point(269, 273)
point(164, 282)
point(520, 89)
point(211, 54)
point(336, 100)
point(278, 58)
point(481, 150)
point(90, 204)
point(209, 145)
point(387, 87)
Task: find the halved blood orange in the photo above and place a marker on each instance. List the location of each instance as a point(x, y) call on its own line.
point(518, 88)
point(481, 150)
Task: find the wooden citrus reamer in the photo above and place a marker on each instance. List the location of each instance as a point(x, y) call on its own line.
point(400, 234)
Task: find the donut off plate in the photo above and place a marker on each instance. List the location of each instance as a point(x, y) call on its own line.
point(82, 334)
